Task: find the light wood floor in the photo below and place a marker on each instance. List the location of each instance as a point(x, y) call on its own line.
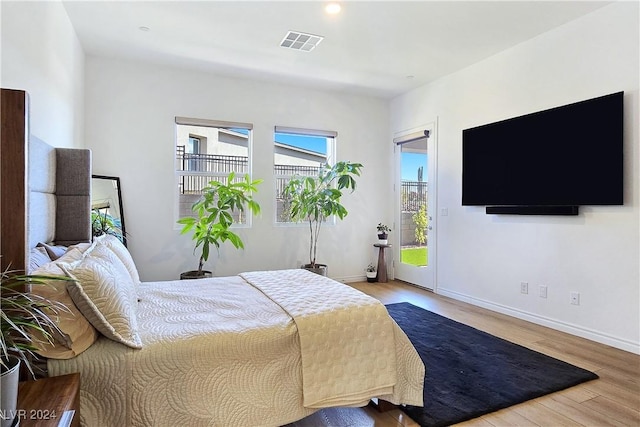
point(612, 400)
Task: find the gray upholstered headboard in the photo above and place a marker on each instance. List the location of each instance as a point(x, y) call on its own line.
point(45, 191)
point(59, 202)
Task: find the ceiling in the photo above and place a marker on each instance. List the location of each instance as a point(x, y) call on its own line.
point(379, 48)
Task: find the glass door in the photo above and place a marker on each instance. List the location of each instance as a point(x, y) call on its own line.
point(415, 195)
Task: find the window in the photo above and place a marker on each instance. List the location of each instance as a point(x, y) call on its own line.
point(298, 152)
point(209, 150)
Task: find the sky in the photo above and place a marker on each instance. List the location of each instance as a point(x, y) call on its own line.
point(410, 164)
point(317, 144)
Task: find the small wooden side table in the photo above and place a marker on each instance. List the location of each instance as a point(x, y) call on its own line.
point(45, 402)
point(382, 264)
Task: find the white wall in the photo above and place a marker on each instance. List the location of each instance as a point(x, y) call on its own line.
point(42, 55)
point(130, 111)
point(483, 258)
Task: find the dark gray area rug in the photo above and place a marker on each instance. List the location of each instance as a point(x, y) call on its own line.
point(470, 373)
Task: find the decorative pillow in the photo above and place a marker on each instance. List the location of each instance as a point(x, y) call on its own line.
point(82, 247)
point(105, 294)
point(38, 257)
point(113, 243)
point(54, 251)
point(77, 332)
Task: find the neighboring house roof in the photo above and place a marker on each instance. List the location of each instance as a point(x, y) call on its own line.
point(290, 150)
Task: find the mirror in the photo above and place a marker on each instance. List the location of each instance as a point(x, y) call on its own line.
point(107, 214)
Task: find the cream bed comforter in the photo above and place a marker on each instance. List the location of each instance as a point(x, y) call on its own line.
point(260, 349)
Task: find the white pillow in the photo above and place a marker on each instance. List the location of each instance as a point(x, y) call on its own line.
point(105, 294)
point(77, 333)
point(113, 243)
point(38, 257)
point(54, 251)
point(82, 247)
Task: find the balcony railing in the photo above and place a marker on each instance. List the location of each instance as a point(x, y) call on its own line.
point(285, 172)
point(203, 164)
point(413, 195)
point(291, 170)
point(214, 163)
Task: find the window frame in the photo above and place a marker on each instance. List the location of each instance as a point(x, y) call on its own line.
point(330, 158)
point(219, 124)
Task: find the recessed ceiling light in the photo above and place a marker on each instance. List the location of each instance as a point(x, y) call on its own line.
point(301, 41)
point(333, 8)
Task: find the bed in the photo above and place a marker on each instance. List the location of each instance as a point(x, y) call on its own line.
point(261, 348)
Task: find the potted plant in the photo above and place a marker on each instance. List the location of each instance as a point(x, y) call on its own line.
point(214, 217)
point(27, 320)
point(371, 273)
point(103, 223)
point(315, 198)
point(383, 233)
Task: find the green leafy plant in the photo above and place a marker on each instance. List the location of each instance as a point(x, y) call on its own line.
point(103, 223)
point(314, 199)
point(214, 214)
point(27, 318)
point(421, 221)
point(382, 228)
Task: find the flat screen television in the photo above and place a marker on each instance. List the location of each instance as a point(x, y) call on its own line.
point(547, 162)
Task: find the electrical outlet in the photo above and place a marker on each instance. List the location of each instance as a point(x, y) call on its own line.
point(575, 298)
point(524, 287)
point(542, 291)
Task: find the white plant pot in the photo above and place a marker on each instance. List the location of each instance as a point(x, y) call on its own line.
point(383, 238)
point(9, 391)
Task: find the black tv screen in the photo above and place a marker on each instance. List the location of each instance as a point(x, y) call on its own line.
point(565, 156)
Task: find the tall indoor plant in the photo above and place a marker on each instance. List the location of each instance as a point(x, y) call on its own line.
point(315, 198)
point(214, 217)
point(27, 320)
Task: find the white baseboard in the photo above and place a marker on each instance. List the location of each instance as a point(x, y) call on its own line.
point(351, 279)
point(633, 347)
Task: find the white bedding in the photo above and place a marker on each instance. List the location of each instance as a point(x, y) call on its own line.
point(344, 337)
point(221, 352)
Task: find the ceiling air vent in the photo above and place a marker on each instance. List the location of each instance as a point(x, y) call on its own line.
point(301, 41)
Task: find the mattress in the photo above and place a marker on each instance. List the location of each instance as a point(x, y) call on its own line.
point(229, 352)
